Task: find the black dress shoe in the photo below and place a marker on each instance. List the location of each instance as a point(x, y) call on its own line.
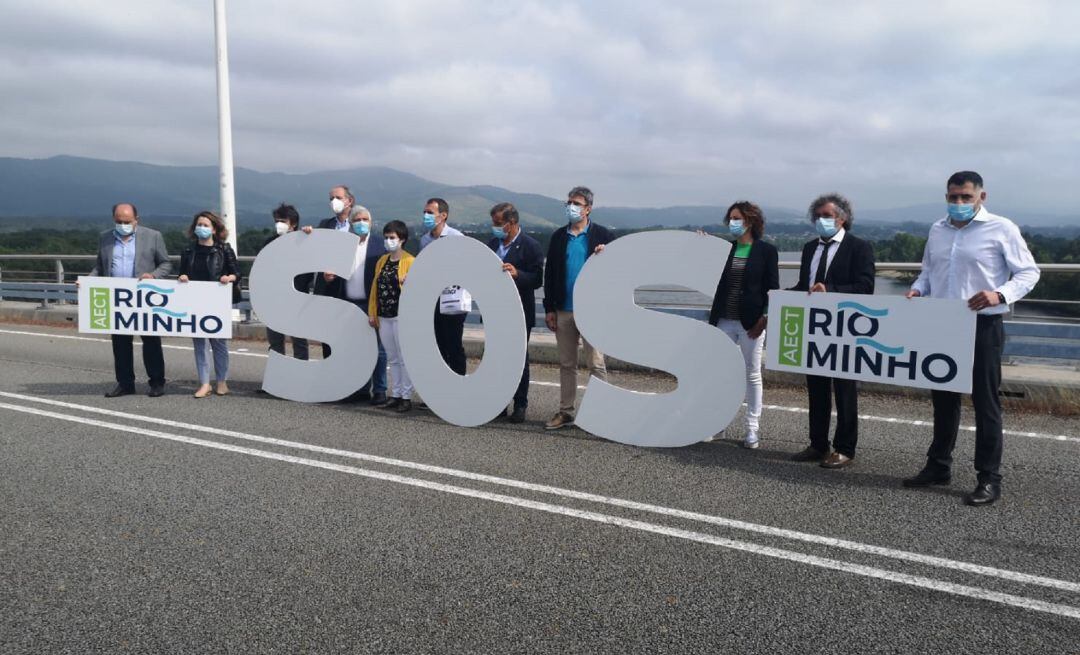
point(157, 391)
point(378, 399)
point(403, 406)
point(985, 494)
point(518, 415)
point(927, 477)
point(810, 454)
point(391, 403)
point(119, 391)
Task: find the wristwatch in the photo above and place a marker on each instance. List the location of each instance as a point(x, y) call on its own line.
point(1001, 298)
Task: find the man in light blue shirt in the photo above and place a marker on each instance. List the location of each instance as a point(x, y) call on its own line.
point(568, 249)
point(577, 251)
point(123, 257)
point(982, 258)
point(129, 250)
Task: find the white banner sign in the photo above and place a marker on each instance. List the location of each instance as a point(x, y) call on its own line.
point(163, 308)
point(923, 342)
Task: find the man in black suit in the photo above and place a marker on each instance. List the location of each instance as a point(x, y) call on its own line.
point(523, 260)
point(357, 286)
point(837, 262)
point(129, 250)
point(341, 204)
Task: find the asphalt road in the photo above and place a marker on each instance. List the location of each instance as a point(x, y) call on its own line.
point(251, 524)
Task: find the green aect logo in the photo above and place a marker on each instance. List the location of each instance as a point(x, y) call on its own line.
point(100, 308)
point(791, 335)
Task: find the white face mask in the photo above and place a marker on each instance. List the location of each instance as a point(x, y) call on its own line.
point(281, 227)
point(392, 243)
point(337, 205)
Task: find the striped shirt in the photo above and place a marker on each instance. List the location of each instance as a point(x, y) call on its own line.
point(735, 285)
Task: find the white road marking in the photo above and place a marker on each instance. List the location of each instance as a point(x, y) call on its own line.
point(99, 340)
point(540, 383)
point(919, 423)
point(771, 531)
point(977, 593)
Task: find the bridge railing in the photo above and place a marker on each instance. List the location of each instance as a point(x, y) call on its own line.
point(1045, 329)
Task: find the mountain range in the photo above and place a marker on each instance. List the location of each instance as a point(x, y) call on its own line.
point(77, 187)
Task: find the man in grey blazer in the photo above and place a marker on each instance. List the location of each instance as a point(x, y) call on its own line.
point(128, 250)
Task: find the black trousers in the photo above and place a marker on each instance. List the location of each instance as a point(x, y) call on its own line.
point(277, 344)
point(821, 391)
point(124, 360)
point(985, 385)
point(448, 334)
point(521, 396)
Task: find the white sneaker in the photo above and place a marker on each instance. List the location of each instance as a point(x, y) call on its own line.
point(719, 436)
point(751, 440)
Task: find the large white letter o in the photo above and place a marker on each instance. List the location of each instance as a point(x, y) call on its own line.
point(478, 397)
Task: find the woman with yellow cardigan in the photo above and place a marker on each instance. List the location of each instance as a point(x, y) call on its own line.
point(390, 272)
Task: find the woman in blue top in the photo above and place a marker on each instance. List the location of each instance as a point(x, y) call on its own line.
point(742, 299)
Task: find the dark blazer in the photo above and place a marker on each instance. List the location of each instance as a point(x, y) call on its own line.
point(375, 249)
point(328, 223)
point(301, 283)
point(555, 270)
point(528, 259)
point(762, 275)
point(852, 269)
point(220, 261)
point(150, 254)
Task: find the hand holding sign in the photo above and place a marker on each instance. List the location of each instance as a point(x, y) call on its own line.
point(983, 300)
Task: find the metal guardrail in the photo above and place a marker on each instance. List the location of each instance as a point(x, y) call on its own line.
point(1025, 338)
point(902, 267)
point(1054, 341)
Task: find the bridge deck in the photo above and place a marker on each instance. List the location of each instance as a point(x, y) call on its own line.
point(145, 523)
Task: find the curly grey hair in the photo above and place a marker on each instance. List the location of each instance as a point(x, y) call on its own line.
point(842, 204)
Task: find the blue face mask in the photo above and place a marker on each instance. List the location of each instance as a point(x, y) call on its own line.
point(361, 228)
point(429, 221)
point(736, 227)
point(961, 213)
point(573, 213)
point(125, 229)
point(203, 232)
point(826, 227)
point(498, 232)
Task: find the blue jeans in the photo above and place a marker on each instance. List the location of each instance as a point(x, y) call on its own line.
point(221, 359)
point(377, 383)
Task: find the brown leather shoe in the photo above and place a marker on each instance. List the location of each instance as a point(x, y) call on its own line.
point(560, 420)
point(809, 454)
point(837, 461)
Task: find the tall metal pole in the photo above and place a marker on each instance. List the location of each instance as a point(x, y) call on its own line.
point(225, 157)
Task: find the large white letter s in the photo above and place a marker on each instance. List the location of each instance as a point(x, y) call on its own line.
point(708, 366)
point(329, 320)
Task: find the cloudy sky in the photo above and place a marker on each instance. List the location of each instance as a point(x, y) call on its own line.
point(650, 103)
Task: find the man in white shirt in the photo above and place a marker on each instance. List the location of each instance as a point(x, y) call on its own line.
point(982, 258)
point(356, 288)
point(449, 328)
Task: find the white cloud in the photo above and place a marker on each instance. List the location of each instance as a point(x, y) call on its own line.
point(650, 103)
